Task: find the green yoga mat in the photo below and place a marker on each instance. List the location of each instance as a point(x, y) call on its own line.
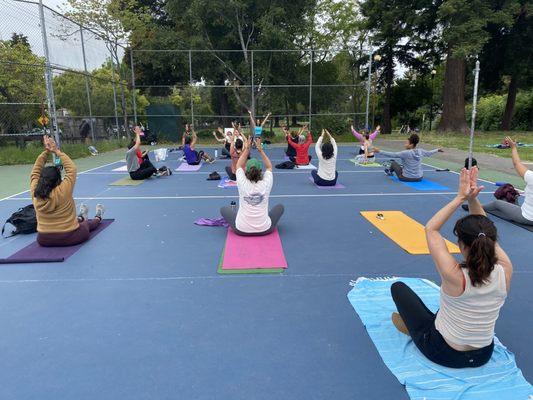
point(372, 165)
point(127, 181)
point(246, 271)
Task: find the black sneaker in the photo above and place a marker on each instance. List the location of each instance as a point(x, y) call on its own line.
point(388, 172)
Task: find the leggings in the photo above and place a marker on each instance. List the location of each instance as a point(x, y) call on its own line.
point(230, 215)
point(230, 173)
point(397, 168)
point(509, 211)
point(62, 239)
point(322, 182)
point(420, 323)
point(199, 156)
point(293, 159)
point(145, 171)
point(225, 151)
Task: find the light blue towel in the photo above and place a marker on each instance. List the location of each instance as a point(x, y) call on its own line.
point(499, 379)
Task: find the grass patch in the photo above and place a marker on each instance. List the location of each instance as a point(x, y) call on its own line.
point(13, 155)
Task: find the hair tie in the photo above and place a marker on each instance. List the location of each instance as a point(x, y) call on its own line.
point(481, 234)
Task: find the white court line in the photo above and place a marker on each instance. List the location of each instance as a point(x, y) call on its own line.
point(80, 173)
point(375, 170)
point(271, 196)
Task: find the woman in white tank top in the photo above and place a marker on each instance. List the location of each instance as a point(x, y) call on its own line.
point(472, 292)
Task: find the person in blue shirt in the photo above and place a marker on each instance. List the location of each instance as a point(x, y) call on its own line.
point(256, 126)
point(188, 143)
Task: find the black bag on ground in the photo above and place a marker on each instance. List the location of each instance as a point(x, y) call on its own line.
point(24, 221)
point(214, 176)
point(286, 165)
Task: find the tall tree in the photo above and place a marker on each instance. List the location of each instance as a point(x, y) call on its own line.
point(463, 24)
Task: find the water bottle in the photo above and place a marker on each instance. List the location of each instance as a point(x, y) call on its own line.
point(233, 206)
point(216, 153)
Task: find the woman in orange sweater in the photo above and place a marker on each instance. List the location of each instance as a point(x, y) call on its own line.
point(57, 223)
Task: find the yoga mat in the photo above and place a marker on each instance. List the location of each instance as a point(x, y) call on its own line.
point(222, 271)
point(34, 253)
point(499, 379)
point(227, 183)
point(501, 216)
point(371, 165)
point(124, 168)
point(249, 252)
point(310, 166)
point(184, 167)
point(337, 185)
point(126, 181)
point(424, 185)
point(404, 231)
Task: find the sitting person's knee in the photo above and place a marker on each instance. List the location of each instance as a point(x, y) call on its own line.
point(396, 288)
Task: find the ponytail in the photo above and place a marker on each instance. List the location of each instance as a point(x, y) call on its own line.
point(50, 178)
point(478, 234)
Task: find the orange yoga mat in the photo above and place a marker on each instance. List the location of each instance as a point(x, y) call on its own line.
point(403, 230)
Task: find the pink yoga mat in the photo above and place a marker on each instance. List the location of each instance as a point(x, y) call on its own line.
point(250, 252)
point(337, 186)
point(184, 167)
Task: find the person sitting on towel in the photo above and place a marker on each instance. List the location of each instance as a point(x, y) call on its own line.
point(254, 185)
point(236, 149)
point(326, 152)
point(368, 156)
point(302, 148)
point(291, 136)
point(411, 168)
point(513, 212)
point(138, 163)
point(365, 136)
point(57, 223)
point(461, 333)
point(188, 143)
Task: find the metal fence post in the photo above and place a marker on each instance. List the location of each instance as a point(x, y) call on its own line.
point(252, 83)
point(311, 88)
point(48, 77)
point(113, 70)
point(368, 87)
point(191, 87)
point(87, 85)
point(133, 98)
point(474, 111)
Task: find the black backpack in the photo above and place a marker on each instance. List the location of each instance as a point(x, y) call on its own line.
point(24, 221)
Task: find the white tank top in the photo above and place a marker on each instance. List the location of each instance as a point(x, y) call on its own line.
point(469, 319)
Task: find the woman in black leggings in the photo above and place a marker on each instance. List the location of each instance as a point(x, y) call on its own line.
point(461, 333)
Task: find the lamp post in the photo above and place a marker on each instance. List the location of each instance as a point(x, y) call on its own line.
point(433, 73)
point(377, 58)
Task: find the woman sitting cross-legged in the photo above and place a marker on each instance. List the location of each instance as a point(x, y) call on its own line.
point(188, 143)
point(138, 164)
point(302, 148)
point(461, 333)
point(254, 185)
point(326, 152)
point(57, 223)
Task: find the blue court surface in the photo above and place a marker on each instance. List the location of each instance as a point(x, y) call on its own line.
point(139, 312)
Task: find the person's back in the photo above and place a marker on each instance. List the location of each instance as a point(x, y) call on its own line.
point(469, 319)
point(191, 156)
point(302, 150)
point(132, 160)
point(326, 166)
point(253, 202)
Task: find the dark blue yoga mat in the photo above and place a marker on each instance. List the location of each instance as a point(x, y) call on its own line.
point(424, 185)
point(34, 253)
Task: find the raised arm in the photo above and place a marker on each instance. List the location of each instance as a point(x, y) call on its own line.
point(69, 180)
point(252, 121)
point(247, 144)
point(390, 154)
point(357, 135)
point(333, 142)
point(266, 161)
point(374, 134)
point(318, 145)
point(520, 168)
point(137, 131)
point(266, 119)
point(217, 138)
point(194, 139)
point(38, 167)
point(429, 153)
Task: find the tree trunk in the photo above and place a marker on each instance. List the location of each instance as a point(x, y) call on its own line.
point(453, 96)
point(389, 77)
point(509, 105)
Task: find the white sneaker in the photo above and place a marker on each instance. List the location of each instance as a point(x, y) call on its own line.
point(84, 212)
point(100, 209)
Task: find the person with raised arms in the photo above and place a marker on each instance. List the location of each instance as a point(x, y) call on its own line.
point(52, 197)
point(138, 164)
point(326, 152)
point(188, 144)
point(365, 136)
point(256, 125)
point(302, 148)
point(236, 149)
point(291, 136)
point(411, 168)
point(254, 183)
point(472, 292)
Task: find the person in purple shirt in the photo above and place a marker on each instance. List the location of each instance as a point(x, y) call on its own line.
point(192, 156)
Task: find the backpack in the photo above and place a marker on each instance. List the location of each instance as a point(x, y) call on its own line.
point(286, 165)
point(24, 221)
point(507, 193)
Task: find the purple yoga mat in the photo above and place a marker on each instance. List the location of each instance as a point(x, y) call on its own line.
point(34, 253)
point(184, 167)
point(337, 186)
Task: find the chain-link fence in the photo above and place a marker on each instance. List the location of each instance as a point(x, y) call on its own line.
point(59, 77)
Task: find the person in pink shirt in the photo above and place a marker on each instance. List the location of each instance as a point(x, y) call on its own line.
point(365, 136)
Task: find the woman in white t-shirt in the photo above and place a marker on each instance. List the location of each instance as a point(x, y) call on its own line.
point(327, 161)
point(513, 212)
point(461, 333)
point(254, 185)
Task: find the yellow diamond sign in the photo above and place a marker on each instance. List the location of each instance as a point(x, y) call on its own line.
point(43, 120)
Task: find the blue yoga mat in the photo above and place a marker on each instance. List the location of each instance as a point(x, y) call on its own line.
point(499, 379)
point(424, 184)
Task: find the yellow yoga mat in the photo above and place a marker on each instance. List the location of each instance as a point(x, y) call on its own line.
point(403, 230)
point(127, 181)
